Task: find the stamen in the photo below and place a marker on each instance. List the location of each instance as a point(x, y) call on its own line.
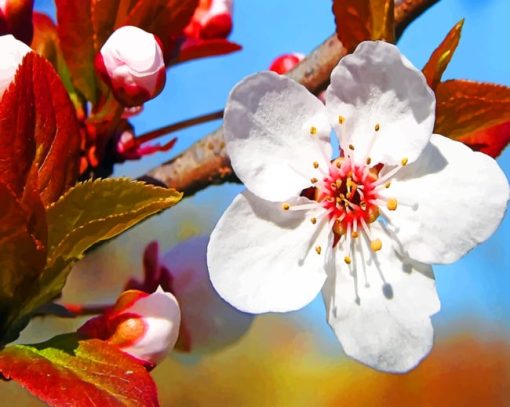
point(404, 161)
point(313, 130)
point(318, 249)
point(347, 260)
point(351, 147)
point(377, 127)
point(368, 161)
point(286, 206)
point(391, 204)
point(355, 235)
point(341, 120)
point(313, 180)
point(315, 164)
point(376, 245)
point(313, 220)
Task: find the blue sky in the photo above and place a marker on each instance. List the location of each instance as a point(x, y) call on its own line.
point(473, 289)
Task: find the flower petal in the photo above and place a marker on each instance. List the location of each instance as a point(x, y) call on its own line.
point(261, 258)
point(456, 199)
point(377, 87)
point(268, 125)
point(385, 321)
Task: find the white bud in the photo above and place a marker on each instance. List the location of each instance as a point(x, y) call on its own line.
point(131, 63)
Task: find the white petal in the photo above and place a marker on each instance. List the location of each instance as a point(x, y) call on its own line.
point(376, 85)
point(457, 199)
point(162, 317)
point(383, 319)
point(12, 52)
point(209, 322)
point(262, 258)
point(268, 119)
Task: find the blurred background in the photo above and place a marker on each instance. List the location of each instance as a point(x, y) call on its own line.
point(294, 359)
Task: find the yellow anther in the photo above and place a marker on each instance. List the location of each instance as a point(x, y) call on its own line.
point(347, 260)
point(355, 235)
point(338, 164)
point(315, 164)
point(286, 206)
point(377, 127)
point(341, 119)
point(369, 160)
point(313, 180)
point(404, 161)
point(387, 184)
point(313, 130)
point(332, 185)
point(376, 245)
point(313, 220)
point(391, 204)
point(338, 183)
point(363, 205)
point(318, 249)
point(351, 147)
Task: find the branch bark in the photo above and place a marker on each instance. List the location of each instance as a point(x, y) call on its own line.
point(206, 162)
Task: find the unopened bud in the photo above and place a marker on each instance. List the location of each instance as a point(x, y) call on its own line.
point(212, 19)
point(131, 63)
point(284, 63)
point(16, 19)
point(143, 325)
point(12, 52)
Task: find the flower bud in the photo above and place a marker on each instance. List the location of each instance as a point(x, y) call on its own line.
point(143, 325)
point(212, 19)
point(131, 63)
point(12, 52)
point(16, 19)
point(284, 63)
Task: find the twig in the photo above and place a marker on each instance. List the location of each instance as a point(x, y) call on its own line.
point(206, 162)
point(151, 135)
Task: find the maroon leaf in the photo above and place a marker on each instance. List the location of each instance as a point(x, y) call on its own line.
point(65, 371)
point(76, 33)
point(491, 141)
point(197, 48)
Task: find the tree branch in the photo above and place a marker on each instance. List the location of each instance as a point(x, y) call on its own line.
point(206, 162)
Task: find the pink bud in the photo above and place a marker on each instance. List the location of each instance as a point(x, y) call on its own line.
point(284, 63)
point(131, 63)
point(212, 19)
point(12, 52)
point(16, 19)
point(143, 325)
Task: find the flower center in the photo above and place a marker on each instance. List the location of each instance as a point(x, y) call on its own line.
point(349, 195)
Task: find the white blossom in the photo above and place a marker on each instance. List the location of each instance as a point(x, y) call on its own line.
point(363, 227)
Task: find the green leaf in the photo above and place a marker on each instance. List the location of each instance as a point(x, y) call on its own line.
point(98, 210)
point(92, 372)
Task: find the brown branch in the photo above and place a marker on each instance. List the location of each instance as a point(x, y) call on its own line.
point(206, 162)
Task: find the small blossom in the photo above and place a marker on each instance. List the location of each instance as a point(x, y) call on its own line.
point(364, 227)
point(16, 19)
point(131, 63)
point(284, 63)
point(212, 19)
point(12, 52)
point(143, 325)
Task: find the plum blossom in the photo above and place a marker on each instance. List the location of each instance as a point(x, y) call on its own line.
point(146, 326)
point(364, 227)
point(131, 63)
point(12, 52)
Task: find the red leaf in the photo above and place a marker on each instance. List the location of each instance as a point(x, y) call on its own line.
point(464, 107)
point(442, 56)
point(195, 48)
point(491, 141)
point(65, 371)
point(361, 20)
point(38, 126)
point(76, 33)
